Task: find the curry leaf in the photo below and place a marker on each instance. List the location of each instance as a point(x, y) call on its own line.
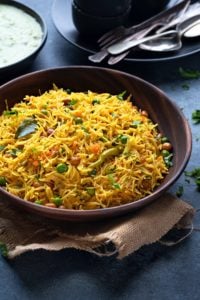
point(27, 127)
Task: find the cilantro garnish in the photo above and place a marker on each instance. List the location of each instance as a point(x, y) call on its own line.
point(196, 116)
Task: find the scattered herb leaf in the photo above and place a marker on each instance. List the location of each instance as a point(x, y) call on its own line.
point(180, 191)
point(196, 116)
point(189, 74)
point(185, 86)
point(196, 175)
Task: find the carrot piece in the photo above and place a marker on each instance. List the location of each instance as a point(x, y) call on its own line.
point(95, 148)
point(36, 163)
point(78, 113)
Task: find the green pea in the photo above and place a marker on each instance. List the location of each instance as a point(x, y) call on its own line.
point(57, 201)
point(164, 139)
point(123, 139)
point(165, 153)
point(40, 202)
point(2, 181)
point(62, 168)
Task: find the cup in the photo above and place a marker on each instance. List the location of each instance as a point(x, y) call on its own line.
point(94, 18)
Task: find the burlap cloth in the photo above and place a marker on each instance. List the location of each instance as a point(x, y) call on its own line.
point(21, 231)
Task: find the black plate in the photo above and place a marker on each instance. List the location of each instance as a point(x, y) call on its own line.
point(62, 17)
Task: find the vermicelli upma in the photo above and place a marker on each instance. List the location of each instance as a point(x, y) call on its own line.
point(79, 150)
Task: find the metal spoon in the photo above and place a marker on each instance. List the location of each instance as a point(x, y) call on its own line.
point(173, 35)
point(189, 28)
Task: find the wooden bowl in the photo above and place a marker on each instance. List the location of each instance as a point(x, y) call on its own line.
point(161, 109)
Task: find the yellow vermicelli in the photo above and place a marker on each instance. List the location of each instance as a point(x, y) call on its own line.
point(79, 150)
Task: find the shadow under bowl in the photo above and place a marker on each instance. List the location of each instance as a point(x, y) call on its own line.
point(24, 62)
point(170, 119)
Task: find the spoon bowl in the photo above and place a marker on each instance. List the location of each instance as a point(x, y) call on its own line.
point(188, 28)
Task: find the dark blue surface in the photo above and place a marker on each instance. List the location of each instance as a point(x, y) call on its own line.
point(154, 272)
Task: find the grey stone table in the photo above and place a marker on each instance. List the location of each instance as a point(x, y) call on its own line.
point(153, 272)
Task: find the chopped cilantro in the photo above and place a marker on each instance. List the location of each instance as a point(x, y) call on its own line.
point(72, 102)
point(95, 101)
point(196, 175)
point(121, 95)
point(113, 182)
point(179, 191)
point(196, 116)
point(90, 191)
point(2, 147)
point(10, 112)
point(136, 123)
point(185, 86)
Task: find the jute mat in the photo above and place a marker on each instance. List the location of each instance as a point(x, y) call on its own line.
point(21, 231)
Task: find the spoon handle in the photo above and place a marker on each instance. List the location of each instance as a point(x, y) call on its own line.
point(125, 45)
